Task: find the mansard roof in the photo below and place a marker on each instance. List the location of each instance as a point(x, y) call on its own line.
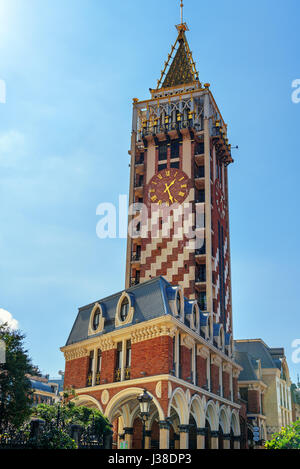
point(151, 300)
point(257, 349)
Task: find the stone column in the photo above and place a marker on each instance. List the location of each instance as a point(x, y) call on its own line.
point(176, 441)
point(201, 432)
point(184, 436)
point(164, 434)
point(148, 434)
point(128, 436)
point(226, 441)
point(215, 440)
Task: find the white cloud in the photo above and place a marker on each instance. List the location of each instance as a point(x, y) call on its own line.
point(5, 316)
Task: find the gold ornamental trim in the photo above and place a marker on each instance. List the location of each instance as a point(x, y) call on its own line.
point(151, 332)
point(75, 353)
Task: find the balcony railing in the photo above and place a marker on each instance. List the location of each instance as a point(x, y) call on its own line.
point(117, 374)
point(89, 380)
point(167, 127)
point(127, 373)
point(134, 281)
point(136, 257)
point(97, 380)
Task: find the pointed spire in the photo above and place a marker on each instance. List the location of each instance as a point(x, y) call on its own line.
point(179, 69)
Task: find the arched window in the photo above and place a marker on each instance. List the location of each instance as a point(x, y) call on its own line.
point(124, 310)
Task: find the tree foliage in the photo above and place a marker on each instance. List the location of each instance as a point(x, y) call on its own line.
point(71, 414)
point(15, 387)
point(287, 438)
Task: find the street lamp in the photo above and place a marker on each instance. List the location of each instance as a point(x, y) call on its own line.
point(145, 401)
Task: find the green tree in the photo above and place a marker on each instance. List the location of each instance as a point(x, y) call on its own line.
point(287, 438)
point(71, 414)
point(15, 387)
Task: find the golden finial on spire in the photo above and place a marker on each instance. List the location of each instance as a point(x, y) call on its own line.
point(181, 11)
point(182, 26)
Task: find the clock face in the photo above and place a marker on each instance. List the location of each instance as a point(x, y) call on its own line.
point(220, 199)
point(169, 186)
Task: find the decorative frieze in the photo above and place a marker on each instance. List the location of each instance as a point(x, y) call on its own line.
point(151, 332)
point(216, 360)
point(107, 343)
point(203, 351)
point(75, 353)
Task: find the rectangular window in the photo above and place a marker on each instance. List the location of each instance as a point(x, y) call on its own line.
point(202, 301)
point(199, 150)
point(98, 367)
point(162, 166)
point(119, 356)
point(175, 149)
point(162, 152)
point(175, 164)
point(128, 353)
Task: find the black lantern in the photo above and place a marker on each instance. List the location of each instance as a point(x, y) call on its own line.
point(145, 401)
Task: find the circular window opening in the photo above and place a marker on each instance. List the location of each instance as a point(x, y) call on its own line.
point(96, 319)
point(124, 310)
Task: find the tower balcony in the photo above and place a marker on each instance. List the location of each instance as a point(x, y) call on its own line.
point(139, 186)
point(136, 260)
point(139, 166)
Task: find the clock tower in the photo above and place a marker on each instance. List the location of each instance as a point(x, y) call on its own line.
point(179, 163)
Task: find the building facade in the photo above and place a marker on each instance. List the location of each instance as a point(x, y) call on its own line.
point(170, 331)
point(265, 385)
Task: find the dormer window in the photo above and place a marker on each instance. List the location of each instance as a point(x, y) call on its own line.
point(96, 319)
point(124, 309)
point(96, 324)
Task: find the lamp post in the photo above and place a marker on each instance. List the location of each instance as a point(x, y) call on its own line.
point(145, 401)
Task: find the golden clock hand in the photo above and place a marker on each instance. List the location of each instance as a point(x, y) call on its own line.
point(168, 187)
point(170, 196)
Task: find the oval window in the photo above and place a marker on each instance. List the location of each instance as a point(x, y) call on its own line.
point(124, 310)
point(96, 319)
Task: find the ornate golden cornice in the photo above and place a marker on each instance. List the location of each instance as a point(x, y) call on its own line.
point(151, 332)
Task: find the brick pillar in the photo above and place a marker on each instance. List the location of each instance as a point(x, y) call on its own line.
point(184, 436)
point(164, 434)
point(215, 440)
point(128, 436)
point(201, 432)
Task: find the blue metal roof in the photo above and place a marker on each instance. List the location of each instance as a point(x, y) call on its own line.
point(151, 300)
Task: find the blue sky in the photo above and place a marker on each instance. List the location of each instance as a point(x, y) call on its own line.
point(71, 69)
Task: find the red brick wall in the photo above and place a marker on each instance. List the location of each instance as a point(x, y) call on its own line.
point(201, 371)
point(214, 377)
point(253, 402)
point(154, 357)
point(235, 389)
point(185, 362)
point(76, 373)
point(108, 365)
point(226, 385)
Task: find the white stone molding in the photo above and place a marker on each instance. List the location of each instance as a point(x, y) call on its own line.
point(151, 332)
point(75, 353)
point(128, 320)
point(100, 328)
